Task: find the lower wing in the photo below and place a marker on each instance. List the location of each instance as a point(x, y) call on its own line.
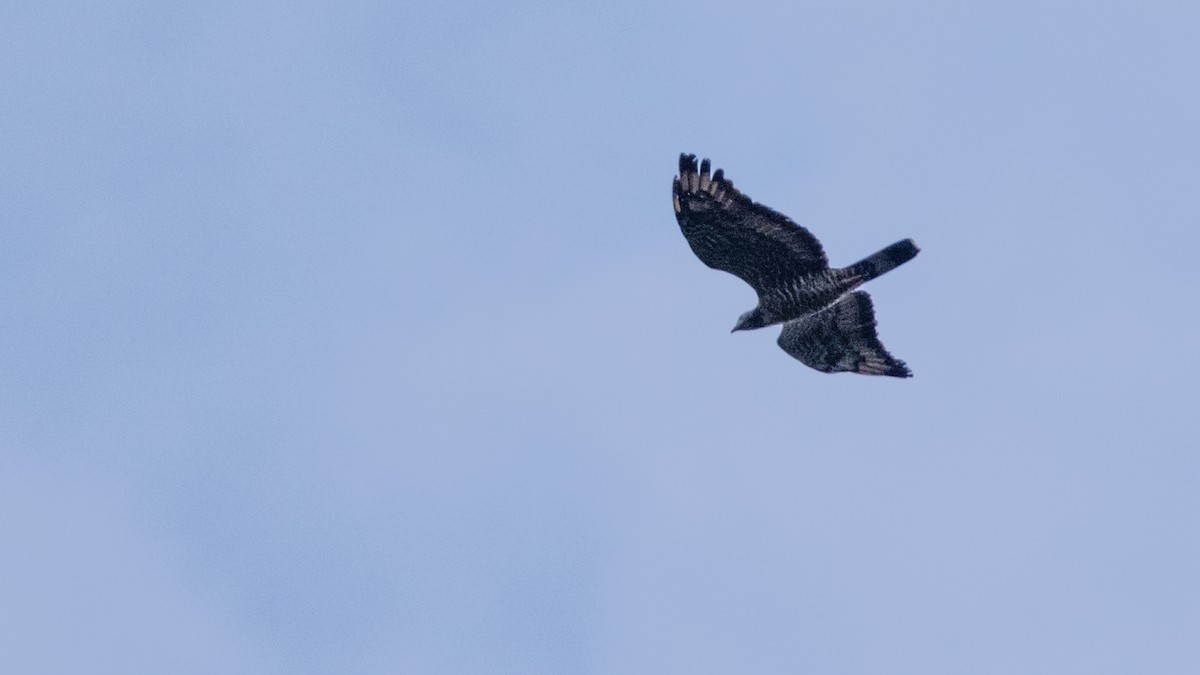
point(841, 338)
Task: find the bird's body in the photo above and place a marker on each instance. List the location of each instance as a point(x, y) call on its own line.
point(787, 267)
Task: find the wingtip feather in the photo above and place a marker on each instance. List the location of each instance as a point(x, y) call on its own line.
point(696, 176)
point(687, 164)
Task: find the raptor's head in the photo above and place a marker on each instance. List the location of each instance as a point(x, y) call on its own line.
point(752, 319)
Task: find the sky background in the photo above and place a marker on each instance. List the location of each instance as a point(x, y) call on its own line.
point(359, 337)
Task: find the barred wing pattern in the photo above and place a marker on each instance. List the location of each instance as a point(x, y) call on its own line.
point(730, 232)
point(841, 338)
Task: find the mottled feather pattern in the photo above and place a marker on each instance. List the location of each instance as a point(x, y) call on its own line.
point(842, 338)
point(826, 325)
point(729, 232)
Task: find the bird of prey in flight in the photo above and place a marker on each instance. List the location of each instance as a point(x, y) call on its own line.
point(827, 324)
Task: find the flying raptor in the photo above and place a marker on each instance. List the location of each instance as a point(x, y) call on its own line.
point(827, 325)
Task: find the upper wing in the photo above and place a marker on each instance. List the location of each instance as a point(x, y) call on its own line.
point(728, 231)
point(841, 338)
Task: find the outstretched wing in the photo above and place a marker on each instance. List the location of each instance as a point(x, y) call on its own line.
point(841, 338)
point(728, 231)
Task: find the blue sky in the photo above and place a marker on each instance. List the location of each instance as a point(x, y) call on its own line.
point(359, 337)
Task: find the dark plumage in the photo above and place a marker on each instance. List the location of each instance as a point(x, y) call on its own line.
point(785, 264)
point(841, 338)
